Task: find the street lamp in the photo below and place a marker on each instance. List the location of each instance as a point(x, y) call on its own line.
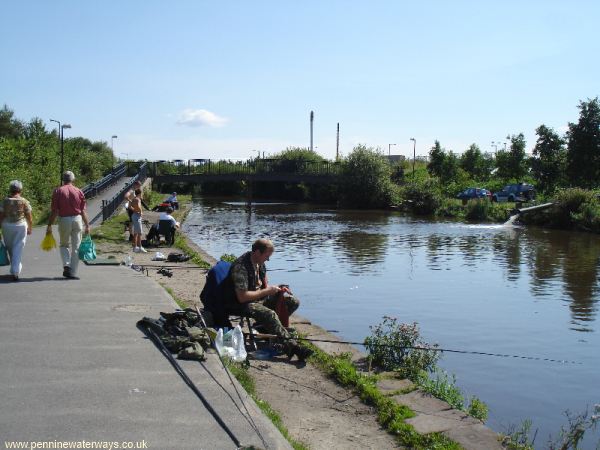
point(389, 149)
point(62, 147)
point(112, 148)
point(59, 140)
point(414, 155)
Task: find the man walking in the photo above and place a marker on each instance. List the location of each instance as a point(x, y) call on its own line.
point(68, 204)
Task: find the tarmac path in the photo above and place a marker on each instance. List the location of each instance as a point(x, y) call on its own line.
point(75, 367)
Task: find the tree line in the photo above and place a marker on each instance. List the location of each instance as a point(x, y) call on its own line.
point(30, 152)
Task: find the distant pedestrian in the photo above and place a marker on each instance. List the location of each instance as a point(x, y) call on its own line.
point(172, 199)
point(68, 204)
point(136, 222)
point(16, 220)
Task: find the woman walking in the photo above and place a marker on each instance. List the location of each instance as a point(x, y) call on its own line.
point(15, 216)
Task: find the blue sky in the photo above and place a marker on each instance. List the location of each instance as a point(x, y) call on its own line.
point(199, 79)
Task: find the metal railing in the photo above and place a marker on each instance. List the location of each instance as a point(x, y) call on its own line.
point(109, 207)
point(93, 189)
point(246, 167)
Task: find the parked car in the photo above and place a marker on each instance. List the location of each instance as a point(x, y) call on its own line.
point(474, 192)
point(519, 192)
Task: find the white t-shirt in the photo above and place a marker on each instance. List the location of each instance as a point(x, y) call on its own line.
point(165, 216)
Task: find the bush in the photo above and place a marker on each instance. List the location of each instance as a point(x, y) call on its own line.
point(367, 180)
point(478, 409)
point(478, 209)
point(398, 346)
point(422, 197)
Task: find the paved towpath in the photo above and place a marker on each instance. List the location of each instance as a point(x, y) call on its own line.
point(75, 366)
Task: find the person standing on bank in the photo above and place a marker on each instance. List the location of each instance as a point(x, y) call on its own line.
point(68, 204)
point(136, 222)
point(247, 292)
point(16, 220)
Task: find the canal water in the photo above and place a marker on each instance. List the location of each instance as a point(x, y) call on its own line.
point(491, 288)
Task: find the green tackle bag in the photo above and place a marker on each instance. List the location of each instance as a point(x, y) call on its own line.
point(87, 249)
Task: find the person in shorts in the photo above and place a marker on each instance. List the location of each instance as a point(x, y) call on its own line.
point(136, 222)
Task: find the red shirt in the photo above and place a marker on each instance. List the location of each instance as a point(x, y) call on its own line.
point(68, 200)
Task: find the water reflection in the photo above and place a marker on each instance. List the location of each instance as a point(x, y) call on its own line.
point(556, 265)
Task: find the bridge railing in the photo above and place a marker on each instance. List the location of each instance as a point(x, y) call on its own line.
point(109, 207)
point(251, 167)
point(93, 189)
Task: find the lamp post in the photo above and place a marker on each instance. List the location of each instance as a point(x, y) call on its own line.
point(495, 145)
point(58, 135)
point(389, 149)
point(112, 149)
point(62, 148)
point(414, 156)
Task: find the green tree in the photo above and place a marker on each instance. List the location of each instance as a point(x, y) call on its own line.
point(512, 163)
point(436, 160)
point(475, 163)
point(367, 179)
point(9, 126)
point(549, 159)
point(583, 155)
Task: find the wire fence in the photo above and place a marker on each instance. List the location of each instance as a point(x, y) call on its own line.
point(93, 189)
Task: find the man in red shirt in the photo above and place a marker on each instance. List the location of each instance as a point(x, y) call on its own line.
point(68, 204)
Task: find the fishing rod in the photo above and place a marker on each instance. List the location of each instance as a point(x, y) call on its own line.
point(418, 348)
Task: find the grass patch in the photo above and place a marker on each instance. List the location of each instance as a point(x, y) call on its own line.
point(240, 372)
point(390, 414)
point(110, 230)
point(180, 302)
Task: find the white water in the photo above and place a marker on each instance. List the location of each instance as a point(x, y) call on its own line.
point(511, 221)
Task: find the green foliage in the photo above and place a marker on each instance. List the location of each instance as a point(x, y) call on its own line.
point(422, 197)
point(478, 209)
point(228, 257)
point(477, 409)
point(476, 164)
point(31, 154)
point(390, 414)
point(367, 179)
point(519, 438)
point(512, 163)
point(392, 345)
point(583, 157)
point(442, 387)
point(549, 160)
point(574, 209)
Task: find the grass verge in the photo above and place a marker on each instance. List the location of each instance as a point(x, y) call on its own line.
point(390, 414)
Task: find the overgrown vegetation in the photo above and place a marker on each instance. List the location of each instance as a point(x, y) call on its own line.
point(29, 152)
point(395, 346)
point(390, 414)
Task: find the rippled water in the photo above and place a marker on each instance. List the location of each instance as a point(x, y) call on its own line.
point(491, 288)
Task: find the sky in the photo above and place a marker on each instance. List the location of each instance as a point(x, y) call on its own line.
point(199, 79)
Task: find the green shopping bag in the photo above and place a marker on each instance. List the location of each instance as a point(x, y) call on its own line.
point(4, 261)
point(87, 249)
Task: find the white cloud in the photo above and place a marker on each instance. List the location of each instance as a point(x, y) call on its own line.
point(200, 118)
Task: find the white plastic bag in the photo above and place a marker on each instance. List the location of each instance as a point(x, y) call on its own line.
point(231, 344)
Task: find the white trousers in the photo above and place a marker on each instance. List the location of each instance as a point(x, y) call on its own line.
point(15, 236)
point(69, 230)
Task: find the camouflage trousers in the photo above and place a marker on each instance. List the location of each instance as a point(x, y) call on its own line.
point(264, 313)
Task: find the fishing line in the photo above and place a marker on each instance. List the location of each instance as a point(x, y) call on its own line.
point(435, 349)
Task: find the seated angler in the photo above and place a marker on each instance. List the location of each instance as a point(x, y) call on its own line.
point(246, 292)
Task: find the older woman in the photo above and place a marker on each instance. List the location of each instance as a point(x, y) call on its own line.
point(15, 216)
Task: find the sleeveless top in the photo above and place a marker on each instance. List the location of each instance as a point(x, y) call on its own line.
point(14, 209)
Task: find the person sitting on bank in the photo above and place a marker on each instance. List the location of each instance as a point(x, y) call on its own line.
point(166, 215)
point(246, 292)
point(172, 200)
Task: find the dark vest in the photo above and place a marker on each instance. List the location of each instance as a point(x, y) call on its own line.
point(246, 262)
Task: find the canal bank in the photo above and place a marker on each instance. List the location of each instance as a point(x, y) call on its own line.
point(510, 290)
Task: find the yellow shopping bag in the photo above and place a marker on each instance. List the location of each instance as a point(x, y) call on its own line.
point(48, 243)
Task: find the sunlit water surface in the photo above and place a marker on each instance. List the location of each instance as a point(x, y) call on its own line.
point(491, 288)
